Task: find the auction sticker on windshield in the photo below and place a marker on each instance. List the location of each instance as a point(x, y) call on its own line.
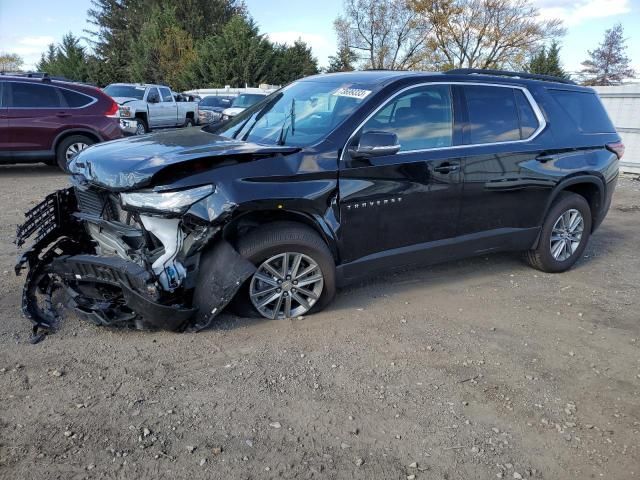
point(352, 93)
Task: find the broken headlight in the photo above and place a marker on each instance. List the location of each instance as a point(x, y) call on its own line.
point(165, 202)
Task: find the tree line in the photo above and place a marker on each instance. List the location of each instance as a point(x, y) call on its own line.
point(439, 35)
point(182, 43)
point(212, 43)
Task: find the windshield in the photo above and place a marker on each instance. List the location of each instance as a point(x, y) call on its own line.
point(130, 91)
point(297, 115)
point(245, 100)
point(215, 102)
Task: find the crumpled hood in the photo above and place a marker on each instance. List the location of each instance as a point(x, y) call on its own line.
point(125, 100)
point(233, 111)
point(130, 163)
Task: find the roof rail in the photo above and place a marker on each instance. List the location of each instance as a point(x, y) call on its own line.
point(506, 73)
point(45, 77)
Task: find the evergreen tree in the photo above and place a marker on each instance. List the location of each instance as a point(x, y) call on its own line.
point(238, 56)
point(343, 61)
point(163, 52)
point(120, 24)
point(68, 59)
point(608, 64)
point(547, 62)
point(292, 62)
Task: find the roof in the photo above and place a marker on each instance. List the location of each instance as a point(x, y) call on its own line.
point(41, 79)
point(371, 77)
point(380, 78)
point(146, 85)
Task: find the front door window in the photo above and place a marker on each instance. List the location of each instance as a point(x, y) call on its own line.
point(422, 118)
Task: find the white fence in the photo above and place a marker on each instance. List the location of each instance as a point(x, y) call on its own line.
point(623, 105)
point(232, 92)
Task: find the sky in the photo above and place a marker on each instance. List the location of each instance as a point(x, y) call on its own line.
point(28, 26)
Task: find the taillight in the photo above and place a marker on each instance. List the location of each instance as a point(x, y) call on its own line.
point(617, 148)
point(112, 111)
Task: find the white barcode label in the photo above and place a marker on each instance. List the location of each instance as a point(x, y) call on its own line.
point(352, 92)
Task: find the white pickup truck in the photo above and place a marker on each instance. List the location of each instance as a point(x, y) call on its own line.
point(144, 107)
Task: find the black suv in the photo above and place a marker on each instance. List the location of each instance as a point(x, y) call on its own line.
point(331, 178)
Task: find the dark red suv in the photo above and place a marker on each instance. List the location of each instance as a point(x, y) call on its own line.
point(46, 120)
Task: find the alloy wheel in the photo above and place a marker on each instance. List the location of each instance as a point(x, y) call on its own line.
point(74, 149)
point(566, 234)
point(286, 285)
point(140, 130)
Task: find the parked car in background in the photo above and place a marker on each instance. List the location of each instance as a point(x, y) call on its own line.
point(210, 108)
point(46, 120)
point(241, 103)
point(336, 177)
point(151, 107)
point(187, 97)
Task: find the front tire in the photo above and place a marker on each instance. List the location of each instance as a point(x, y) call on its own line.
point(564, 236)
point(70, 147)
point(295, 272)
point(141, 126)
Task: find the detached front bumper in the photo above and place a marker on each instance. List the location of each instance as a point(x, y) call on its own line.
point(106, 288)
point(139, 290)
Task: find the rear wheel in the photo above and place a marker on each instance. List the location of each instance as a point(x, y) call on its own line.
point(70, 147)
point(564, 236)
point(189, 122)
point(295, 272)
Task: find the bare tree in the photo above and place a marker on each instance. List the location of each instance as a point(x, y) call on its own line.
point(386, 34)
point(608, 64)
point(10, 62)
point(483, 33)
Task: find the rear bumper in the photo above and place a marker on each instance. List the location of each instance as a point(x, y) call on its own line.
point(606, 204)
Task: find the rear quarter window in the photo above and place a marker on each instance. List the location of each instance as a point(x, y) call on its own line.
point(585, 110)
point(75, 99)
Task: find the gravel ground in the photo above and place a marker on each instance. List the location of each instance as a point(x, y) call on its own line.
point(482, 368)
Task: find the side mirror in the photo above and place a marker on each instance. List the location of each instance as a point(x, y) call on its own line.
point(375, 144)
point(153, 99)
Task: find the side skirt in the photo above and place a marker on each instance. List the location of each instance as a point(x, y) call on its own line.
point(31, 156)
point(428, 253)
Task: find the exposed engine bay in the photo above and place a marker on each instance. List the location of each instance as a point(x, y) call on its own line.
point(129, 259)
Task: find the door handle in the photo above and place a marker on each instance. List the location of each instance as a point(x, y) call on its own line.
point(63, 114)
point(447, 167)
point(545, 158)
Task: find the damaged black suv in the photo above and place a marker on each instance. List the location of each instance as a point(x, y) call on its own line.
point(327, 180)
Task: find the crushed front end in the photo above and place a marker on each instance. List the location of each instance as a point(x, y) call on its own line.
point(126, 258)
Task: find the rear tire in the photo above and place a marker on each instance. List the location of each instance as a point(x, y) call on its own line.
point(189, 122)
point(564, 235)
point(302, 248)
point(69, 147)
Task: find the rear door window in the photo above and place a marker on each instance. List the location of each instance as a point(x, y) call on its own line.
point(585, 109)
point(422, 118)
point(34, 95)
point(166, 95)
point(493, 115)
point(76, 99)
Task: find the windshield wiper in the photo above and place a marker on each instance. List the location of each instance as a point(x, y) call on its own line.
point(256, 117)
point(285, 128)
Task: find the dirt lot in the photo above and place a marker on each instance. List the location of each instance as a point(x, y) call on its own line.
point(482, 368)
